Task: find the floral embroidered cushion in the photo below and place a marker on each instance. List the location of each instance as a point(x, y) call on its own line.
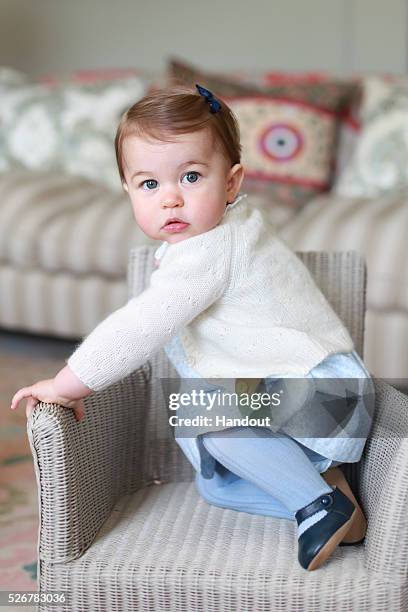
point(380, 159)
point(66, 125)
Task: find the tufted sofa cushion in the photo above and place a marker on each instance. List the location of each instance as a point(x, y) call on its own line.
point(376, 228)
point(62, 223)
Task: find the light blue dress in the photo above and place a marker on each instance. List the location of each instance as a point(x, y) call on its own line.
point(324, 452)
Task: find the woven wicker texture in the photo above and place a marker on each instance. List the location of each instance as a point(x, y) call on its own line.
point(122, 526)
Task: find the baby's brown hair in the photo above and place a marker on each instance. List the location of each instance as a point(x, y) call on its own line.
point(174, 110)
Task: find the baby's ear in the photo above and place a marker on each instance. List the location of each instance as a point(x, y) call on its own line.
point(125, 187)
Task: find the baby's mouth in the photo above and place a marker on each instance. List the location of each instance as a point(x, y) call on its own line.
point(175, 225)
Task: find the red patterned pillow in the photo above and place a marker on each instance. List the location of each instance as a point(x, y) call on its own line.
point(350, 120)
point(289, 129)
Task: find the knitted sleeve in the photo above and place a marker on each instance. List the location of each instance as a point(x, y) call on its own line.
point(192, 275)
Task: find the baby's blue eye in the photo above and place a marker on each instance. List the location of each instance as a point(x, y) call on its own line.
point(148, 181)
point(194, 174)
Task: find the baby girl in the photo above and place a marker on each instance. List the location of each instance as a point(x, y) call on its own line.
point(228, 299)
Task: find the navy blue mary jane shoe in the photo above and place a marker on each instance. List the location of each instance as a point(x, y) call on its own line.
point(318, 542)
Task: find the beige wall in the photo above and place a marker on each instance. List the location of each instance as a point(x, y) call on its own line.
point(341, 36)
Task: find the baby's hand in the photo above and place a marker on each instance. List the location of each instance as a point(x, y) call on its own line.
point(44, 391)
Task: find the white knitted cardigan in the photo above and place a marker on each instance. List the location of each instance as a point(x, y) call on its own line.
point(240, 300)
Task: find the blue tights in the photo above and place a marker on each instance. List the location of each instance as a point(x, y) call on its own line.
point(259, 472)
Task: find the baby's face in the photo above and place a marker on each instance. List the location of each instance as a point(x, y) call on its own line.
point(187, 179)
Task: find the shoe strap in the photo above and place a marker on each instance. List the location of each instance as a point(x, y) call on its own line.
point(324, 502)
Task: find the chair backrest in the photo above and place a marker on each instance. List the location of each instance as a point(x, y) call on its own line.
point(341, 276)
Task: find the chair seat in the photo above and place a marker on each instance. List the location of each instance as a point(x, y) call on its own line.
point(182, 553)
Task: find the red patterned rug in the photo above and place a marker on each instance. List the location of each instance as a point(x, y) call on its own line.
point(18, 488)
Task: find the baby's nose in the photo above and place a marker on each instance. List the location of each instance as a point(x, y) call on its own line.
point(172, 202)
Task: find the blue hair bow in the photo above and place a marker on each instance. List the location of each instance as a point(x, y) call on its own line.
point(215, 105)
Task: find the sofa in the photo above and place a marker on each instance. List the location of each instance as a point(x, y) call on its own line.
point(66, 229)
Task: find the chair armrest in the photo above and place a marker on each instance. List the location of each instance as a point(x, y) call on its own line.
point(384, 484)
point(83, 467)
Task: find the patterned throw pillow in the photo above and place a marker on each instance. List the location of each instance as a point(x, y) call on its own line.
point(289, 130)
point(68, 126)
point(349, 121)
point(380, 160)
point(9, 77)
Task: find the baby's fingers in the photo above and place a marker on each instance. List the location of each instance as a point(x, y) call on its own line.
point(21, 394)
point(79, 410)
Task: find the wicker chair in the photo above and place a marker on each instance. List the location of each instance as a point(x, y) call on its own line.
point(122, 526)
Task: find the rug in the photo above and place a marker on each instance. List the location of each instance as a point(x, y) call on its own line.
point(18, 489)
